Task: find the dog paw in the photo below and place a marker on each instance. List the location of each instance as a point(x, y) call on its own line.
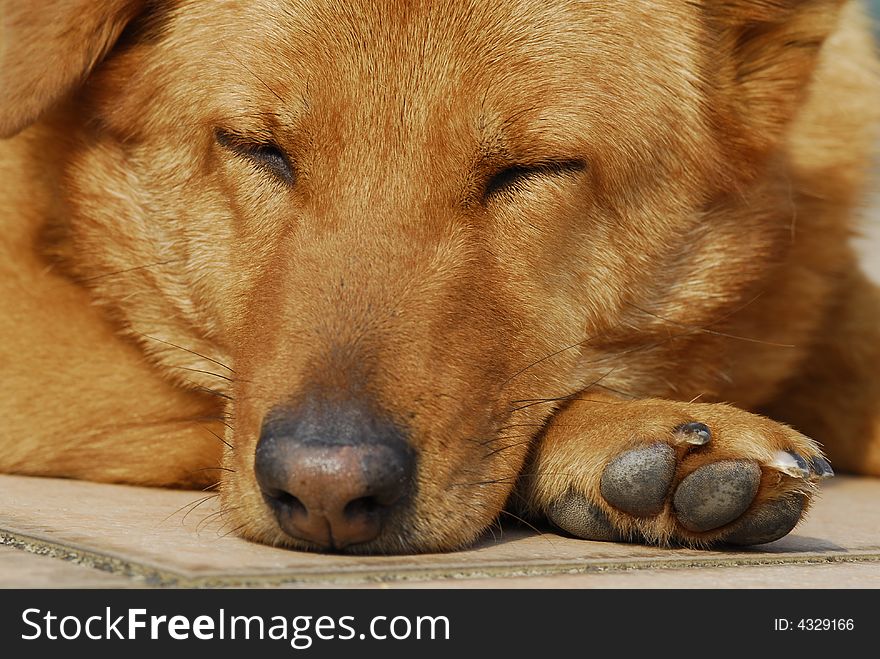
point(699, 483)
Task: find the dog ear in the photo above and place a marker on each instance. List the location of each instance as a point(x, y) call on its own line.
point(49, 47)
point(772, 48)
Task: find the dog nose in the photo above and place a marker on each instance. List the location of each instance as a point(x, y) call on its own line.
point(332, 475)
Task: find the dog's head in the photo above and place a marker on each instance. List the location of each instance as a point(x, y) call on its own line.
point(394, 237)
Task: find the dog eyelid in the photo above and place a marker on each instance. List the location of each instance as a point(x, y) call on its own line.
point(510, 177)
point(265, 154)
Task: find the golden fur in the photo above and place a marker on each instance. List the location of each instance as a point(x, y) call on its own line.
point(698, 169)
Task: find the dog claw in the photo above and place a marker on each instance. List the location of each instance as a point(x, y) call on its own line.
point(637, 482)
point(790, 463)
point(695, 433)
point(822, 468)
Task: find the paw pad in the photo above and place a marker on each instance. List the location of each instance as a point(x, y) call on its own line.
point(576, 515)
point(637, 482)
point(768, 522)
point(717, 499)
point(716, 494)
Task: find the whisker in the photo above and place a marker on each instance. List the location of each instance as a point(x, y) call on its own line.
point(193, 504)
point(506, 447)
point(198, 370)
point(221, 418)
point(204, 501)
point(635, 349)
point(615, 391)
point(217, 416)
point(127, 270)
point(521, 425)
point(494, 481)
point(192, 352)
point(540, 401)
point(592, 338)
point(207, 519)
point(545, 358)
point(592, 400)
point(531, 526)
point(212, 392)
point(705, 330)
point(235, 530)
point(646, 347)
point(231, 447)
point(195, 471)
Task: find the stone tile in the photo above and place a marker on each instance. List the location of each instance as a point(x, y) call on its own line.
point(160, 536)
point(23, 569)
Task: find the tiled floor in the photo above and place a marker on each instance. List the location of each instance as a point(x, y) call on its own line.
point(64, 533)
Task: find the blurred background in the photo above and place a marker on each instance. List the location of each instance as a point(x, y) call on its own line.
point(869, 245)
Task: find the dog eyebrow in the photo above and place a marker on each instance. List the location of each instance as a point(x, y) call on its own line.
point(236, 138)
point(257, 126)
point(523, 142)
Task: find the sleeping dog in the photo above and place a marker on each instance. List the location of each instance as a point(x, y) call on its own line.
point(383, 269)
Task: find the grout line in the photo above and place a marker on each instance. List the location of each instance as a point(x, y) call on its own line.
point(152, 576)
point(547, 570)
point(137, 572)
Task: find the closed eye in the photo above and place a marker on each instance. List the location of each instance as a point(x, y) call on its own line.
point(266, 155)
point(516, 176)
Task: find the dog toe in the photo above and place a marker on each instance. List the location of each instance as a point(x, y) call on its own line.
point(768, 522)
point(637, 481)
point(716, 494)
point(574, 514)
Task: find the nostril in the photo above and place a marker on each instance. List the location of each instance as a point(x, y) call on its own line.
point(363, 507)
point(286, 501)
